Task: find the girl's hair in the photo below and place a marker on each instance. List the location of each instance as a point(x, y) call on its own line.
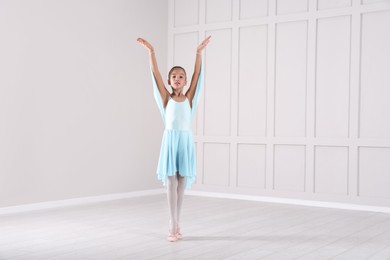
point(176, 67)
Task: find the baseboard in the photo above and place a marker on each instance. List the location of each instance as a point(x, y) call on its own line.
point(77, 201)
point(310, 203)
point(118, 196)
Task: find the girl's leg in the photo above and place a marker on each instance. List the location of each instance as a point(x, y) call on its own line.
point(180, 197)
point(180, 194)
point(172, 203)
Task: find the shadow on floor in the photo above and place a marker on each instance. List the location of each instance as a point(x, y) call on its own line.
point(225, 238)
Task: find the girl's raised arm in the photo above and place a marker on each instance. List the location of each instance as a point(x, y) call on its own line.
point(157, 75)
point(198, 63)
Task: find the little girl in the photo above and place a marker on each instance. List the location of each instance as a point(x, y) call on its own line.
point(177, 165)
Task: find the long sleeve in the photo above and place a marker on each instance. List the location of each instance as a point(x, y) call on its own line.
point(157, 97)
point(198, 91)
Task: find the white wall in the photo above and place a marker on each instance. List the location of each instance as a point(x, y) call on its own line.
point(296, 101)
point(77, 115)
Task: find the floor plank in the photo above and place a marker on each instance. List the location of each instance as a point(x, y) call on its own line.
point(213, 228)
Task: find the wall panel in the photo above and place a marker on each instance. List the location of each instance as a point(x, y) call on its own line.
point(218, 11)
point(331, 170)
point(332, 81)
point(330, 4)
point(374, 1)
point(375, 76)
point(218, 84)
point(186, 12)
point(251, 166)
point(291, 6)
point(253, 8)
point(216, 164)
point(252, 96)
point(374, 172)
point(289, 168)
point(290, 79)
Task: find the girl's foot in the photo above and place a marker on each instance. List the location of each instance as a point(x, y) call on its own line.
point(172, 237)
point(178, 234)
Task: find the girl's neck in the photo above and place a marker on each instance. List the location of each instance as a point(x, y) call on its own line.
point(177, 93)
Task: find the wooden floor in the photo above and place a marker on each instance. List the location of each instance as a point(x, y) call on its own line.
point(212, 228)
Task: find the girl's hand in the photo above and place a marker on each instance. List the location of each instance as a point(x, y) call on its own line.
point(203, 44)
point(146, 44)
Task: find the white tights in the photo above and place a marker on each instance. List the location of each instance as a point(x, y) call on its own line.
point(175, 192)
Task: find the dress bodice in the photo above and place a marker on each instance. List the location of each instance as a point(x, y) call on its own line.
point(173, 106)
point(178, 115)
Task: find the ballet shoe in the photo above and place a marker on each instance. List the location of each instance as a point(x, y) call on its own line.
point(172, 237)
point(178, 234)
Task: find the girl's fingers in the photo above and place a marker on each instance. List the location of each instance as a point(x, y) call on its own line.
point(142, 41)
point(145, 43)
point(206, 41)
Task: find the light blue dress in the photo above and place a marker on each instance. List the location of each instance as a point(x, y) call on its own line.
point(177, 153)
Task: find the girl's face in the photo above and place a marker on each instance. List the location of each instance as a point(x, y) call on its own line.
point(177, 79)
